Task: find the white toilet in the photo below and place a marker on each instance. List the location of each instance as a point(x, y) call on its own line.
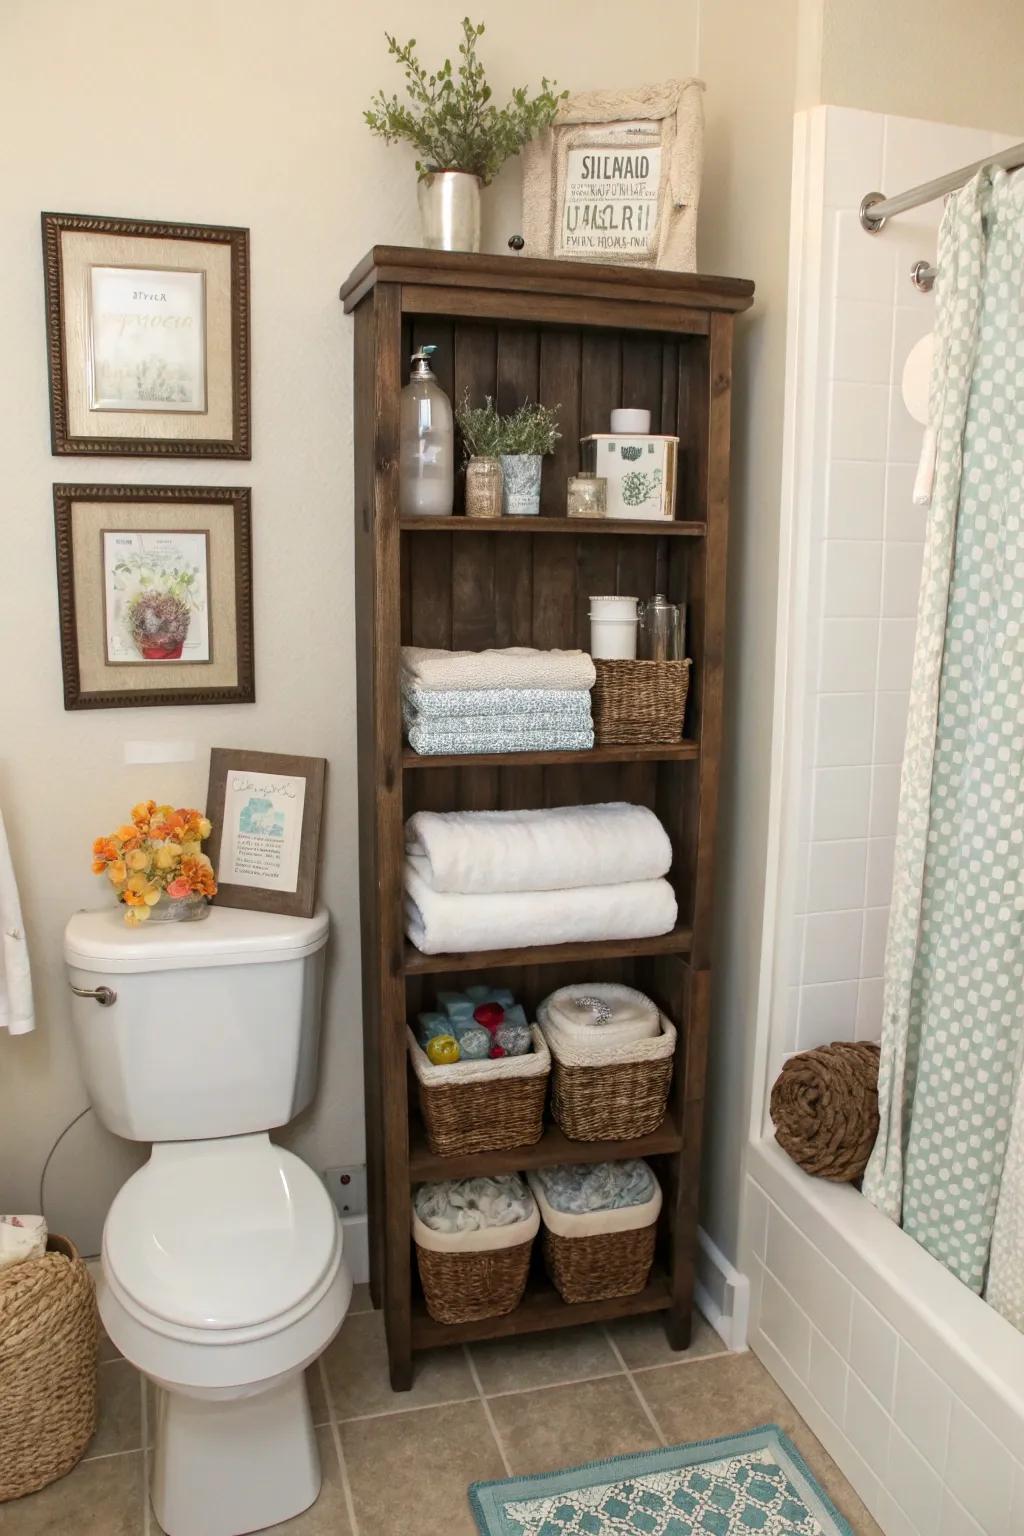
point(222, 1274)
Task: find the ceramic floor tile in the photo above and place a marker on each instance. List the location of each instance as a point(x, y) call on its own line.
point(409, 1473)
point(642, 1341)
point(562, 1426)
point(727, 1395)
point(357, 1372)
point(99, 1498)
point(544, 1359)
point(119, 1420)
point(329, 1515)
point(106, 1348)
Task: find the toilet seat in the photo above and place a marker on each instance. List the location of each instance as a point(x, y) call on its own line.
point(221, 1242)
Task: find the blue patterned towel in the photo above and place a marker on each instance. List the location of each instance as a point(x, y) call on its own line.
point(502, 734)
point(437, 703)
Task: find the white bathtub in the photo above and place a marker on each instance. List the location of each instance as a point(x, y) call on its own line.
point(913, 1383)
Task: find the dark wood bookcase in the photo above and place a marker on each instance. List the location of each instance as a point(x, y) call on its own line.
point(585, 338)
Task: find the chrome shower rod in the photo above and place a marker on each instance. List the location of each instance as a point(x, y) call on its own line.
point(876, 207)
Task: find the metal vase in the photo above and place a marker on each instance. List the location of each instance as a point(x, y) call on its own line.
point(450, 211)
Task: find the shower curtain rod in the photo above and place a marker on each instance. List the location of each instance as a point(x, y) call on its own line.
point(876, 207)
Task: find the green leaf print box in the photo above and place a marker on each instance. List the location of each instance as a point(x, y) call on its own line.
point(640, 471)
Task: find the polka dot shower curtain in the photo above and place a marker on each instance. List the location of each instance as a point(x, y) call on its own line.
point(949, 1160)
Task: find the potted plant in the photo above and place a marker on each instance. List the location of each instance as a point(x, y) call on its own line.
point(461, 138)
point(156, 865)
point(480, 427)
point(526, 436)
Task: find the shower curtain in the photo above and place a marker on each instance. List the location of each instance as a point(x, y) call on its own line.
point(949, 1159)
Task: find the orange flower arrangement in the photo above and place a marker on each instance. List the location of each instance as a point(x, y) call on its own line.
point(158, 851)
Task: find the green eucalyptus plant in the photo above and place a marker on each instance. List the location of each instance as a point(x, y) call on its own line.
point(451, 120)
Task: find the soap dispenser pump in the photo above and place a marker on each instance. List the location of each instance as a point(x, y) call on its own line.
point(427, 463)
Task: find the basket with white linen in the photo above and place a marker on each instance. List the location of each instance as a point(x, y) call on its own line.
point(608, 1083)
point(474, 1274)
point(595, 1255)
point(482, 1106)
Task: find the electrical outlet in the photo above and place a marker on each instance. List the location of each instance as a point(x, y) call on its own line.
point(347, 1188)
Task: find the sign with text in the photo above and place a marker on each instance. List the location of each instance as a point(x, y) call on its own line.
point(610, 205)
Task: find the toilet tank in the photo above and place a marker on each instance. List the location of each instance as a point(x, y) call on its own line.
point(214, 1026)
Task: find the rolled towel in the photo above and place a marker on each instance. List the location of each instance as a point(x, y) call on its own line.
point(21, 1237)
point(602, 1013)
point(577, 1188)
point(516, 666)
point(423, 705)
point(439, 922)
point(824, 1106)
point(491, 852)
point(473, 1205)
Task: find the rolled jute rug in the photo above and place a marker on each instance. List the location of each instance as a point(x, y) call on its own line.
point(824, 1107)
point(47, 1368)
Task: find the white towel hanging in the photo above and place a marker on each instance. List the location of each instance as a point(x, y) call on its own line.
point(16, 1009)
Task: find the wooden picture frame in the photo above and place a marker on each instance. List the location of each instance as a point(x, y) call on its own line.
point(154, 589)
point(147, 334)
point(266, 809)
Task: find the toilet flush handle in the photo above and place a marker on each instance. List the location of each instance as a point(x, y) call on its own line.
point(103, 995)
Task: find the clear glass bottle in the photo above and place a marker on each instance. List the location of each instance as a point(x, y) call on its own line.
point(426, 472)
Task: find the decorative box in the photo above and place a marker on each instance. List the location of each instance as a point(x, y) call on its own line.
point(640, 471)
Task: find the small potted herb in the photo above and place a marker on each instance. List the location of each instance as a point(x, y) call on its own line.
point(480, 428)
point(526, 436)
point(461, 138)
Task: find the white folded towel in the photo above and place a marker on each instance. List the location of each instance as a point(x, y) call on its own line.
point(517, 666)
point(21, 1237)
point(440, 922)
point(486, 852)
point(16, 1008)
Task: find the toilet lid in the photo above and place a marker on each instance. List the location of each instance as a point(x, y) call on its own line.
point(221, 1234)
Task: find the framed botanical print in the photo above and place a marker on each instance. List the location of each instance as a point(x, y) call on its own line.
point(266, 809)
point(148, 335)
point(155, 594)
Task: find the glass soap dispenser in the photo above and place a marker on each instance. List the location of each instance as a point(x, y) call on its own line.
point(427, 463)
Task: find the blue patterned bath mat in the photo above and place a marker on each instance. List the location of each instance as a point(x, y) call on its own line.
point(754, 1484)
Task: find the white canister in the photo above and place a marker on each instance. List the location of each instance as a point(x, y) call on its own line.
point(613, 623)
point(626, 420)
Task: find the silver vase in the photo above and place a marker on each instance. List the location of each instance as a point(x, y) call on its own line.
point(520, 474)
point(450, 211)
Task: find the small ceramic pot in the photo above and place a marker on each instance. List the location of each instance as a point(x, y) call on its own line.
point(520, 473)
point(450, 211)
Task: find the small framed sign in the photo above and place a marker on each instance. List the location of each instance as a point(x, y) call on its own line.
point(266, 809)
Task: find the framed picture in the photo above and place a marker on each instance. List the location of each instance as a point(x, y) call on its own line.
point(147, 328)
point(616, 178)
point(266, 809)
point(155, 595)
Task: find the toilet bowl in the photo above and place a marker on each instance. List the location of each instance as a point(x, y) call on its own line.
point(222, 1272)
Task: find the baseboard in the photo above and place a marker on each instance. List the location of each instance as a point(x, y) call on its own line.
point(722, 1293)
point(357, 1247)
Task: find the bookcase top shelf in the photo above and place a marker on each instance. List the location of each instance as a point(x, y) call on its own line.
point(564, 525)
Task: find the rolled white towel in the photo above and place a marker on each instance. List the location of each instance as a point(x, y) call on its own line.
point(515, 666)
point(440, 923)
point(603, 1013)
point(492, 852)
point(21, 1237)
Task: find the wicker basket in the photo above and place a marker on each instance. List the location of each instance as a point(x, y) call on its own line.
point(609, 1093)
point(470, 1275)
point(482, 1106)
point(639, 702)
point(601, 1254)
point(47, 1368)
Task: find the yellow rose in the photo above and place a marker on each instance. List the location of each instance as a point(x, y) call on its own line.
point(116, 872)
point(152, 895)
point(205, 827)
point(190, 849)
point(138, 859)
point(136, 915)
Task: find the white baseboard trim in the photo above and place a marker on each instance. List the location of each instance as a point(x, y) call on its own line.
point(722, 1293)
point(356, 1231)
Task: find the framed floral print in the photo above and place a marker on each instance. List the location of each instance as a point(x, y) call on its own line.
point(266, 809)
point(155, 594)
point(148, 337)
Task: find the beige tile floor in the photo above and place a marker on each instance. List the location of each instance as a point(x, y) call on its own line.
point(399, 1464)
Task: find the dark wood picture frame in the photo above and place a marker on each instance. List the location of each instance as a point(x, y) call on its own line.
point(76, 696)
point(62, 441)
point(301, 902)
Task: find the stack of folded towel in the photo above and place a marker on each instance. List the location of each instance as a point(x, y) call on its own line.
point(513, 700)
point(477, 880)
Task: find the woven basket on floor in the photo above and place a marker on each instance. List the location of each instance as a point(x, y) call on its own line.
point(594, 1266)
point(639, 702)
point(482, 1106)
point(47, 1368)
point(610, 1093)
point(464, 1280)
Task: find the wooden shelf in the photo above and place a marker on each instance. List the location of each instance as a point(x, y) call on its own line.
point(678, 752)
point(566, 525)
point(553, 1147)
point(675, 943)
point(540, 1308)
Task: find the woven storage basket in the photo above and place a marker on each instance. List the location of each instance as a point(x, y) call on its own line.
point(470, 1275)
point(609, 1093)
point(482, 1106)
point(600, 1254)
point(639, 701)
point(47, 1368)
